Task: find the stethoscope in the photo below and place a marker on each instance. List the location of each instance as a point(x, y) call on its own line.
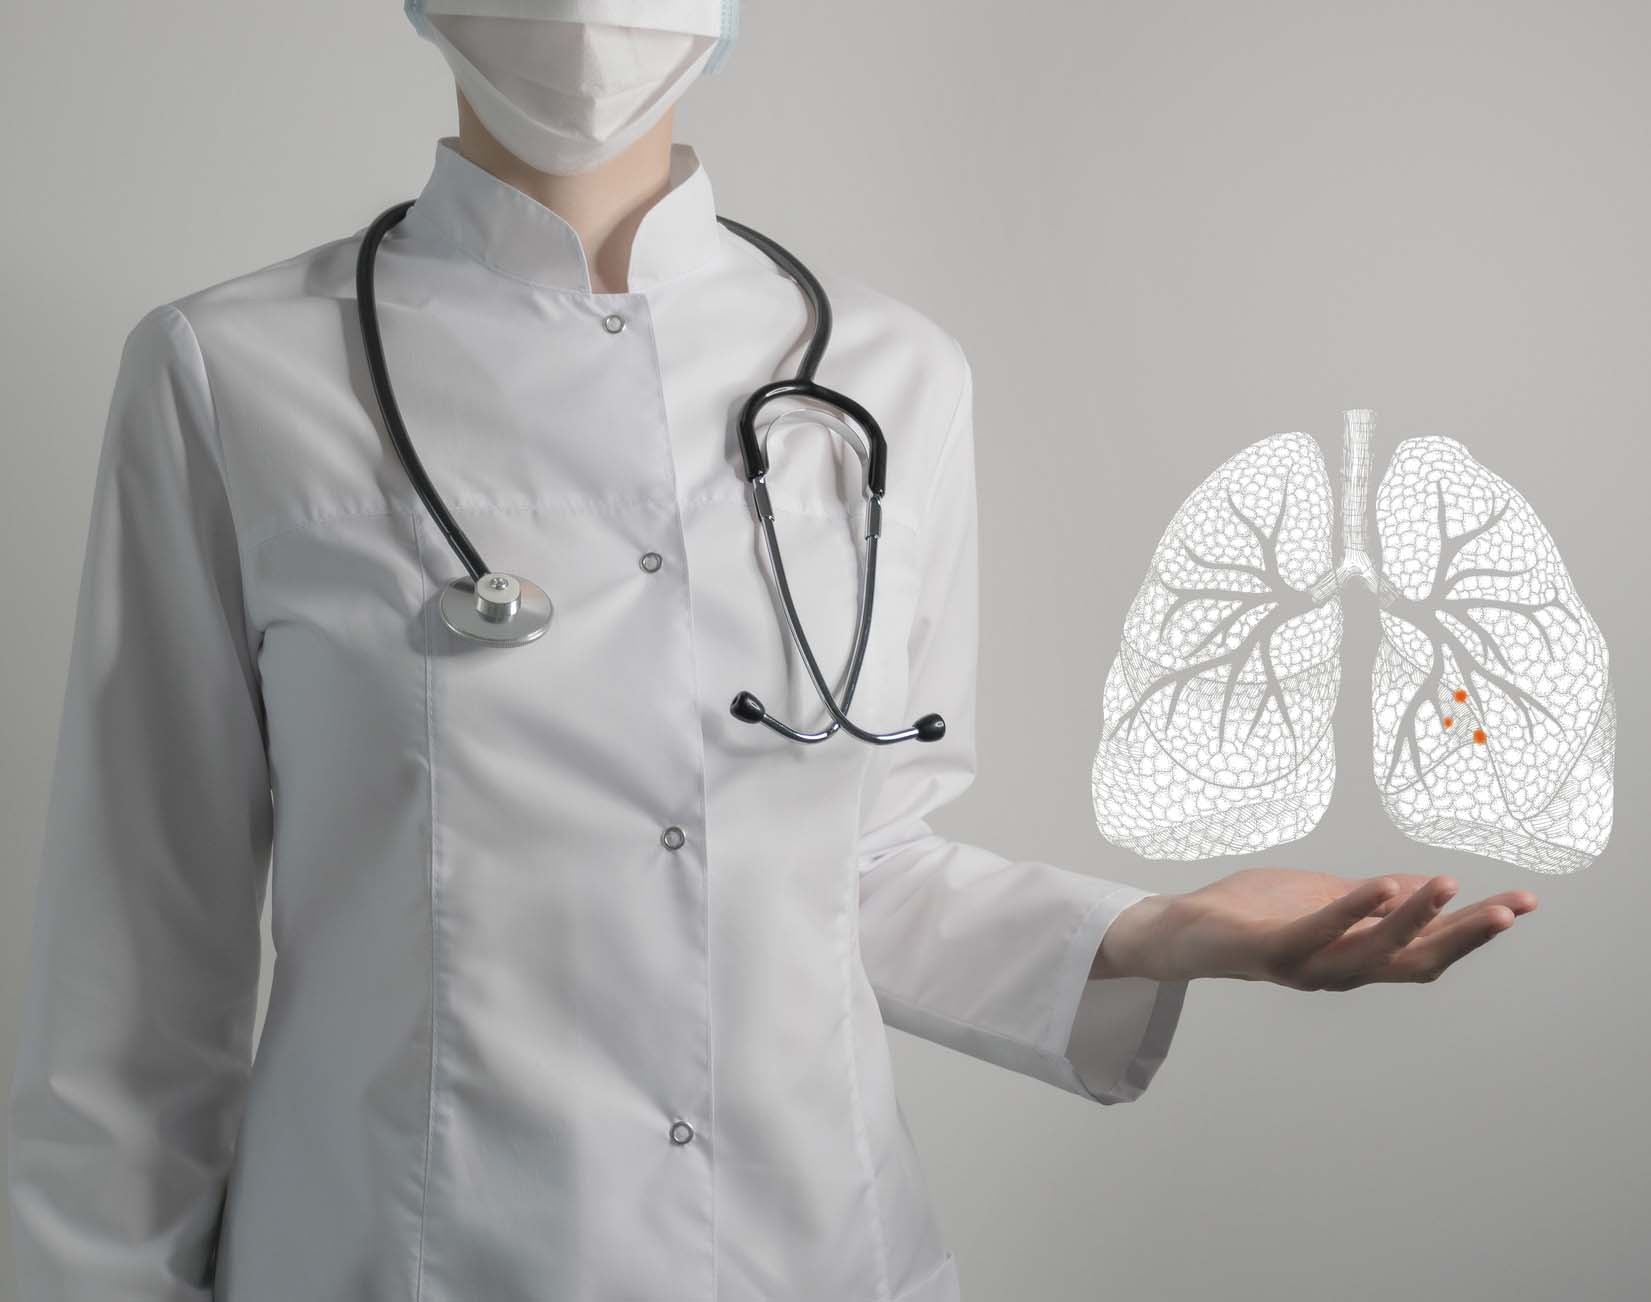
point(499, 609)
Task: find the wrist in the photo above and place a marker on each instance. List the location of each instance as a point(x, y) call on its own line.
point(1134, 944)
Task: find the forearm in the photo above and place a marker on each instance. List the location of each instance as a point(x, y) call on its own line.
point(1167, 937)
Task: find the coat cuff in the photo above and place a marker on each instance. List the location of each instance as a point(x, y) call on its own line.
point(1108, 1037)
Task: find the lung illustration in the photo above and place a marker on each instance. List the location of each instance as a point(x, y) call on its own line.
point(1216, 712)
point(1495, 720)
point(1493, 713)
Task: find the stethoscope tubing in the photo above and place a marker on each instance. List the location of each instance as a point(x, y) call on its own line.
point(367, 302)
point(818, 301)
point(745, 705)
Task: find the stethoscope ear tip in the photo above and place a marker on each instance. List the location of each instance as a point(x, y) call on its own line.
point(747, 708)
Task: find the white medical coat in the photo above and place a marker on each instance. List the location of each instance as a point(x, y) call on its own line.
point(496, 989)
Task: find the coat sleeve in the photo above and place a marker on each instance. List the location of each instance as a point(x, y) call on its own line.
point(141, 1000)
point(963, 946)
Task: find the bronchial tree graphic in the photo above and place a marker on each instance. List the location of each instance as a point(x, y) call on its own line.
point(1494, 718)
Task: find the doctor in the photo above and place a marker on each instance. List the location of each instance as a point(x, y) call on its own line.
point(581, 983)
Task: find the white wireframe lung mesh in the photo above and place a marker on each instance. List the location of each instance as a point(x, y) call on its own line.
point(1494, 718)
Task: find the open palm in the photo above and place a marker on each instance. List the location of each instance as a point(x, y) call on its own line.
point(1317, 931)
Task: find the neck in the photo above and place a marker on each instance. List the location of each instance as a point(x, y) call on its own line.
point(604, 205)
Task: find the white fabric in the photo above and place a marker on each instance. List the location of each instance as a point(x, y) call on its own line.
point(566, 85)
point(495, 989)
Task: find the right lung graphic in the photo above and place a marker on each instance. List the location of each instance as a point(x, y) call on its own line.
point(1494, 718)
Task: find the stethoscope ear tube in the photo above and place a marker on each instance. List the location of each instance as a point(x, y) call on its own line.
point(755, 455)
point(748, 707)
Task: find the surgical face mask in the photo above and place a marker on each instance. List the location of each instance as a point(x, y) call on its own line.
point(565, 85)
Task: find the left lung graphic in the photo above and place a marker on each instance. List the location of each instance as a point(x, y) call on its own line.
point(1493, 707)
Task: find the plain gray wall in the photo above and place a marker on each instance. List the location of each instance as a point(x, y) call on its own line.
point(1161, 230)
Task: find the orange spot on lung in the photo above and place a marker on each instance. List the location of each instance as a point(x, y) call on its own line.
point(1449, 721)
point(1479, 736)
point(1461, 694)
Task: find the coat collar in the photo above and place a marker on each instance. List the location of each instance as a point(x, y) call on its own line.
point(515, 234)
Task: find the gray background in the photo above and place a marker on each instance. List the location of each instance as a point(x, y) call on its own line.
point(1161, 230)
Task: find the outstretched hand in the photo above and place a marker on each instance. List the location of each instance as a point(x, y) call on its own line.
point(1305, 930)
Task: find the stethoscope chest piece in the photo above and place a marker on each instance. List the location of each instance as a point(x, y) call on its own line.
point(502, 608)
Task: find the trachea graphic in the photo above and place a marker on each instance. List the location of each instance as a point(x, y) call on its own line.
point(1494, 715)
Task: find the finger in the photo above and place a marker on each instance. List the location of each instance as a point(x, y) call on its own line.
point(1310, 933)
point(1518, 903)
point(1430, 957)
point(1375, 948)
point(1409, 883)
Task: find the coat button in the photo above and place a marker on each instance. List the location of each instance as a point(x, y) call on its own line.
point(613, 323)
point(681, 1132)
point(650, 561)
point(672, 838)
